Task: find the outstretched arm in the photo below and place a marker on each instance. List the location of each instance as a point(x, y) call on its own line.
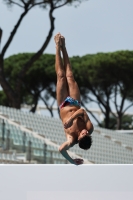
point(63, 150)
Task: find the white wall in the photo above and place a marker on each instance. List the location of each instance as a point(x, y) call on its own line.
point(61, 182)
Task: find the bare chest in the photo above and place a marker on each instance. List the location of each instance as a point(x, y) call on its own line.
point(67, 112)
point(77, 126)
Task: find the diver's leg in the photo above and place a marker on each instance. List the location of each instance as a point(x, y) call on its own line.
point(61, 88)
point(72, 84)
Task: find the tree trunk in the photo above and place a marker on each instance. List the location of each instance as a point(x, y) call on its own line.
point(14, 96)
point(107, 118)
point(51, 112)
point(119, 122)
point(16, 103)
point(14, 100)
point(33, 109)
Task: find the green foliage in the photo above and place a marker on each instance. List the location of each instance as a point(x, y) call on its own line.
point(38, 78)
point(103, 71)
point(104, 75)
point(106, 69)
point(42, 3)
point(3, 99)
point(127, 122)
point(16, 86)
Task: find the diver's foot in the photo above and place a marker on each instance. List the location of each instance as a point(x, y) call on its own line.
point(57, 39)
point(63, 45)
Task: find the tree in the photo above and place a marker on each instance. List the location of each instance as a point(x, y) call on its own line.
point(41, 77)
point(105, 76)
point(126, 124)
point(102, 78)
point(3, 99)
point(124, 83)
point(14, 94)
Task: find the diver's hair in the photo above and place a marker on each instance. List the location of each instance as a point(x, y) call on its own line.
point(85, 143)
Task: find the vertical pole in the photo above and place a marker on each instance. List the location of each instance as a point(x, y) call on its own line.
point(29, 152)
point(24, 141)
point(51, 157)
point(3, 133)
point(8, 140)
point(45, 153)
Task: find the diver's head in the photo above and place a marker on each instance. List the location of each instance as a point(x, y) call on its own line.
point(84, 139)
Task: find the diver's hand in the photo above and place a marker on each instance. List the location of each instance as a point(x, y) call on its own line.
point(78, 161)
point(68, 123)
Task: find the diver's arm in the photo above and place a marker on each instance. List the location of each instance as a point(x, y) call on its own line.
point(89, 125)
point(63, 150)
point(78, 113)
point(69, 122)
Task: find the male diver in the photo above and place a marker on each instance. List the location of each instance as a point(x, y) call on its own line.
point(77, 125)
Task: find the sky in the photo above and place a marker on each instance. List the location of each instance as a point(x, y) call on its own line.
point(94, 26)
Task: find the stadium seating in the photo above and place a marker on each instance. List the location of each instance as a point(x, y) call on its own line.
point(109, 147)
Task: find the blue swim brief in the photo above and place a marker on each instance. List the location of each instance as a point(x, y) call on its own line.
point(70, 101)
